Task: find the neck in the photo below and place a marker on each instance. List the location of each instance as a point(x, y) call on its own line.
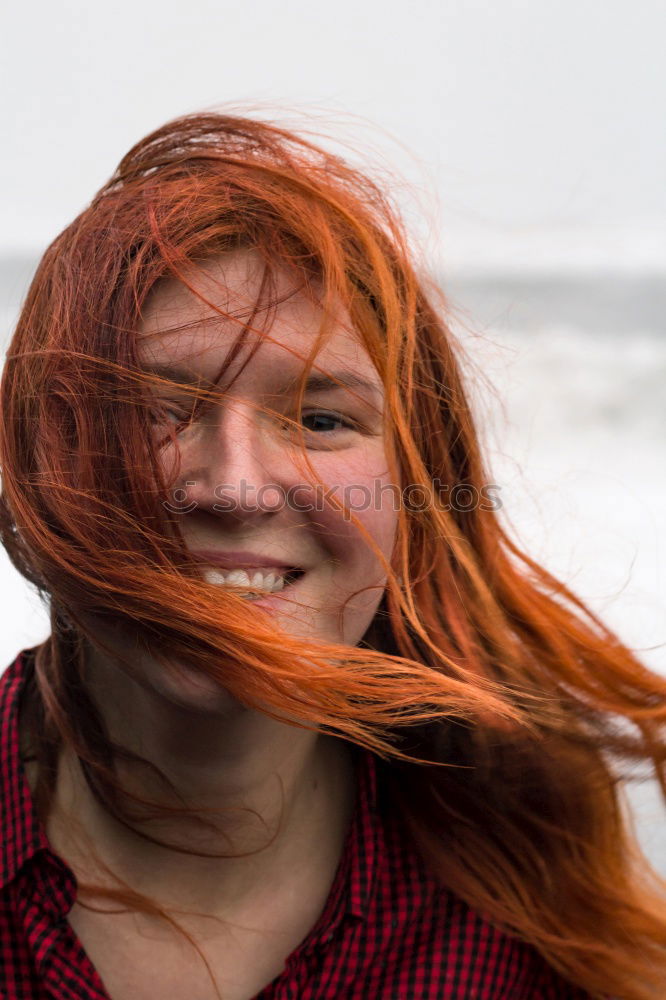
point(255, 798)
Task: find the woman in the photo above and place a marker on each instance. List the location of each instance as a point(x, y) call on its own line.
point(306, 725)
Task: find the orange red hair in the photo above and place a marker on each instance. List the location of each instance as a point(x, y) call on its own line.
point(481, 661)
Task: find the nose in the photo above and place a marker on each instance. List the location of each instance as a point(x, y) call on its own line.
point(236, 467)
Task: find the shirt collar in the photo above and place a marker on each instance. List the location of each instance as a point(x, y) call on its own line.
point(356, 877)
point(365, 836)
point(21, 833)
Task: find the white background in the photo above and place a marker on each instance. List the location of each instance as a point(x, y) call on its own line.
point(516, 115)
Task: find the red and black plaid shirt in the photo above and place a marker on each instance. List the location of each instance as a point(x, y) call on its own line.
point(387, 932)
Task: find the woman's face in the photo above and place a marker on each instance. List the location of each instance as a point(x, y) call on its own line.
point(242, 493)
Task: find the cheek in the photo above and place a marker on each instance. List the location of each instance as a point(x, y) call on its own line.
point(368, 498)
point(381, 526)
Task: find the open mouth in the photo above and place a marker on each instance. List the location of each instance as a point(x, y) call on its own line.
point(286, 580)
point(267, 581)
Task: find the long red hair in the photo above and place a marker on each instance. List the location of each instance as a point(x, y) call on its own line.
point(479, 658)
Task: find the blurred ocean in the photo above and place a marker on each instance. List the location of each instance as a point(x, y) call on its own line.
point(569, 379)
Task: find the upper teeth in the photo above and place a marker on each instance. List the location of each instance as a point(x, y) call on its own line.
point(270, 580)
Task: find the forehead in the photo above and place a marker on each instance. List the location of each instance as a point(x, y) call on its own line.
point(196, 327)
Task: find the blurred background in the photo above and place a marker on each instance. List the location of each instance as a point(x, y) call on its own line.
point(525, 144)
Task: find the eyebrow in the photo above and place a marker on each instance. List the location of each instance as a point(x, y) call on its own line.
point(315, 382)
point(173, 373)
point(320, 382)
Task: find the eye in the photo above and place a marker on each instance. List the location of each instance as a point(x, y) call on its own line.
point(321, 421)
point(179, 416)
point(174, 416)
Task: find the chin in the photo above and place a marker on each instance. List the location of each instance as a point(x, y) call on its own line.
point(190, 691)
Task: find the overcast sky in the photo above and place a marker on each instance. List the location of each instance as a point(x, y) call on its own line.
point(511, 117)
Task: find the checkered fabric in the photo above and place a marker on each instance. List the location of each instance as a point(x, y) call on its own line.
point(387, 931)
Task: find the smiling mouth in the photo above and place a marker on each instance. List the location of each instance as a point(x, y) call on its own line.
point(268, 580)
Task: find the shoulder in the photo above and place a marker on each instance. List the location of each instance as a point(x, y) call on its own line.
point(20, 831)
point(452, 946)
point(11, 676)
point(12, 680)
